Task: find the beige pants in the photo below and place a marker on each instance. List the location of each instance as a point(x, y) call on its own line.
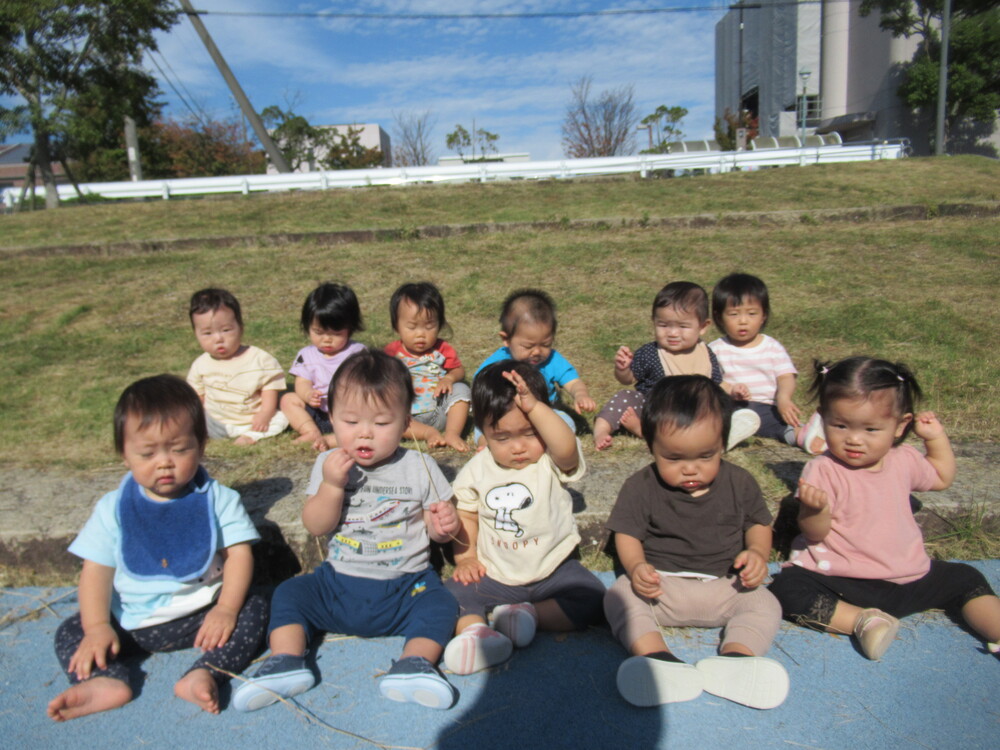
point(751, 617)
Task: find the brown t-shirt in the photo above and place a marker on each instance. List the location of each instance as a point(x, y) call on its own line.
point(681, 533)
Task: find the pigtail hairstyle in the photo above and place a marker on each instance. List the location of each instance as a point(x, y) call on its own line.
point(859, 377)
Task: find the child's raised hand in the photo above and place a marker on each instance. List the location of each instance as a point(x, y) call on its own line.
point(927, 426)
point(752, 567)
point(97, 643)
point(645, 581)
point(812, 497)
point(469, 571)
point(315, 398)
point(623, 358)
point(444, 520)
point(336, 468)
point(524, 399)
point(218, 625)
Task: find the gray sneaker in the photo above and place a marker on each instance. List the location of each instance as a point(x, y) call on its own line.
point(416, 680)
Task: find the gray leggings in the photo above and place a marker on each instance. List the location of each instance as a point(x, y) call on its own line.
point(243, 645)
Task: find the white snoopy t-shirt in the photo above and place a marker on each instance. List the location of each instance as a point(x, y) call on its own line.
point(526, 524)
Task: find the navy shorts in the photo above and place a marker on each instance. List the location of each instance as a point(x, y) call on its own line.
point(321, 418)
point(415, 605)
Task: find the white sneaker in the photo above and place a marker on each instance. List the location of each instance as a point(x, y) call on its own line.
point(644, 681)
point(754, 681)
point(475, 648)
point(744, 424)
point(516, 621)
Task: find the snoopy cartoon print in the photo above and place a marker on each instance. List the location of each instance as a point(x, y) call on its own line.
point(505, 500)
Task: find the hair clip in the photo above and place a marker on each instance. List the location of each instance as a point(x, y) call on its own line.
point(824, 370)
point(900, 378)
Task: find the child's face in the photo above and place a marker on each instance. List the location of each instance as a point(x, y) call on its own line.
point(369, 431)
point(417, 328)
point(861, 431)
point(513, 443)
point(742, 322)
point(688, 459)
point(162, 456)
point(327, 340)
point(218, 333)
point(530, 342)
point(676, 330)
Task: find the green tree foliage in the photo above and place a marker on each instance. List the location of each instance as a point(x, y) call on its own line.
point(461, 141)
point(344, 151)
point(325, 147)
point(51, 52)
point(664, 128)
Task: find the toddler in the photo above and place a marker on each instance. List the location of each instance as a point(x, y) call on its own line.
point(680, 319)
point(859, 562)
point(758, 367)
point(166, 563)
point(693, 536)
point(238, 384)
point(442, 399)
point(382, 505)
point(330, 316)
point(515, 552)
point(528, 330)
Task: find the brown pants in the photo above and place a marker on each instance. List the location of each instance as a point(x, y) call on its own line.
point(751, 617)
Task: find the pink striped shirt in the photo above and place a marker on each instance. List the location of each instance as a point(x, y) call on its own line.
point(756, 367)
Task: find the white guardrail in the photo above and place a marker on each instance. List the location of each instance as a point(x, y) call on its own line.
point(644, 164)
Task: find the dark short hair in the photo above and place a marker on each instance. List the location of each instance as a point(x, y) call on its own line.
point(860, 377)
point(210, 300)
point(424, 295)
point(684, 295)
point(332, 306)
point(493, 395)
point(529, 305)
point(160, 399)
point(736, 289)
point(379, 377)
point(678, 401)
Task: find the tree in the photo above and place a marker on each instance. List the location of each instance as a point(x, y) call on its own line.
point(297, 139)
point(604, 126)
point(973, 91)
point(50, 51)
point(664, 128)
point(344, 151)
point(412, 133)
point(460, 140)
point(725, 128)
point(201, 149)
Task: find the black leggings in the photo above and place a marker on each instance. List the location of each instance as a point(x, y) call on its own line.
point(809, 598)
point(234, 656)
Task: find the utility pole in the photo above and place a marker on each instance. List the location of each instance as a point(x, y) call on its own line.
point(942, 101)
point(132, 147)
point(275, 155)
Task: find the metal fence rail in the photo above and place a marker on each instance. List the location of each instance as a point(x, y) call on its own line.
point(644, 164)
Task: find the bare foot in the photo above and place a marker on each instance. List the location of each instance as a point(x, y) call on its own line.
point(602, 433)
point(244, 440)
point(456, 442)
point(631, 422)
point(89, 697)
point(198, 687)
point(308, 437)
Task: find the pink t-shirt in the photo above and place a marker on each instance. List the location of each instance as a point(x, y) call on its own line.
point(756, 367)
point(873, 533)
point(310, 363)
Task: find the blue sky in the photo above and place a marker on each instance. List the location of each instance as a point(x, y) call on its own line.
point(512, 75)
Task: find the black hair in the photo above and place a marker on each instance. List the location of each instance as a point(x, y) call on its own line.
point(334, 307)
point(530, 305)
point(684, 295)
point(424, 295)
point(739, 289)
point(493, 395)
point(379, 377)
point(161, 398)
point(860, 377)
point(210, 300)
point(678, 401)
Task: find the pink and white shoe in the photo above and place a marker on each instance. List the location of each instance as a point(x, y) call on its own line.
point(516, 621)
point(477, 647)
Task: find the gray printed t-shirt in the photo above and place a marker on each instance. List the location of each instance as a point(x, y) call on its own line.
point(381, 533)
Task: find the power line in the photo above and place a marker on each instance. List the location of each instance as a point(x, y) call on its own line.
point(196, 115)
point(204, 117)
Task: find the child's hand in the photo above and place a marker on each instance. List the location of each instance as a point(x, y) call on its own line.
point(812, 497)
point(583, 403)
point(444, 519)
point(443, 388)
point(623, 358)
point(218, 625)
point(469, 571)
point(740, 392)
point(315, 398)
point(646, 581)
point(789, 411)
point(524, 399)
point(752, 567)
point(93, 650)
point(926, 426)
point(260, 421)
point(336, 467)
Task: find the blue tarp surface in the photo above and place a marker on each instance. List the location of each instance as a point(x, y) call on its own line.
point(936, 687)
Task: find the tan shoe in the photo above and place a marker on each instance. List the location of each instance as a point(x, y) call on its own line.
point(875, 631)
